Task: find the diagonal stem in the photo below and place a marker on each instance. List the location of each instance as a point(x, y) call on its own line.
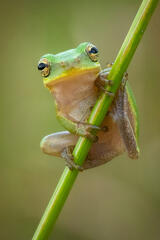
point(98, 113)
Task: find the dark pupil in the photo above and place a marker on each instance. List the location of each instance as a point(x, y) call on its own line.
point(93, 50)
point(41, 66)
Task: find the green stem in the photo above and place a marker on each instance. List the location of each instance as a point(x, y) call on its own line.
point(98, 113)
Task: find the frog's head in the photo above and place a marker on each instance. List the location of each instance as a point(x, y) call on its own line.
point(62, 66)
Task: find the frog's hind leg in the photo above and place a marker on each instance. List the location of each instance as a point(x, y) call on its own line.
point(61, 144)
point(126, 116)
point(124, 112)
point(54, 143)
point(102, 80)
point(109, 145)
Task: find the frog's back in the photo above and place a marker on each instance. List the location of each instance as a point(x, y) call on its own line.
point(122, 134)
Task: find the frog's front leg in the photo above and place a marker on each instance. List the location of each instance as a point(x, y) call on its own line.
point(61, 144)
point(80, 128)
point(101, 81)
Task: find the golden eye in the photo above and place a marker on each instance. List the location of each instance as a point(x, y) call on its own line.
point(92, 52)
point(44, 67)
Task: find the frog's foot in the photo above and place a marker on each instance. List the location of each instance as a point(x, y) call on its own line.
point(104, 74)
point(67, 155)
point(102, 80)
point(86, 129)
point(99, 85)
point(102, 77)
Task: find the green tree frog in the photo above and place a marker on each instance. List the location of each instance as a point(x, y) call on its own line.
point(75, 79)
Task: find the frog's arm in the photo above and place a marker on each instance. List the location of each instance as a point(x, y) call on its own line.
point(67, 123)
point(83, 129)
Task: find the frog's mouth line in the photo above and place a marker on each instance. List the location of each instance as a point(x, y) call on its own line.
point(70, 74)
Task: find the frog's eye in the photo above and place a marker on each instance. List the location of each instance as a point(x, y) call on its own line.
point(44, 67)
point(92, 52)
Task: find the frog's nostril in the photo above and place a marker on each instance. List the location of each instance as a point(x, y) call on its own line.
point(41, 66)
point(77, 60)
point(63, 64)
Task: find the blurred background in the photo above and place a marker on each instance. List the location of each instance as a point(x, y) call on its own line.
point(119, 200)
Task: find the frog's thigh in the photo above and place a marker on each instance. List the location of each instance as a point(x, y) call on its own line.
point(126, 120)
point(109, 145)
point(54, 143)
point(129, 139)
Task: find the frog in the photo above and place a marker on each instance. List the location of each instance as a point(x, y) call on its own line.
point(75, 79)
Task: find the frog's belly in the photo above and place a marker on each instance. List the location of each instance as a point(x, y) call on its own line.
point(75, 95)
point(81, 111)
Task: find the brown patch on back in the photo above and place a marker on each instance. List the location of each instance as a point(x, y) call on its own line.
point(109, 145)
point(125, 121)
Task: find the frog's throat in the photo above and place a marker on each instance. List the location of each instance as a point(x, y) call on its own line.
point(71, 74)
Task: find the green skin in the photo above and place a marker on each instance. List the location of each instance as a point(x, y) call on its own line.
point(75, 78)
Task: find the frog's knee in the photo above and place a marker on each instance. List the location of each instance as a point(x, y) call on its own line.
point(49, 145)
point(53, 144)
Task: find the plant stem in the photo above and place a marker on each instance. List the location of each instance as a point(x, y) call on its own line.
point(98, 113)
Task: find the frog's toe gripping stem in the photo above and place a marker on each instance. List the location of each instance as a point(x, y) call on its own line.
point(85, 129)
point(67, 155)
point(100, 84)
point(102, 80)
point(92, 137)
